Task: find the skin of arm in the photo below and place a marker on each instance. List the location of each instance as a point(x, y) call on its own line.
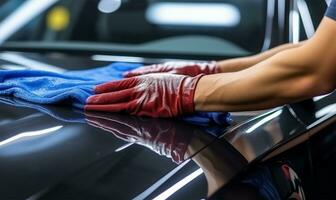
point(288, 76)
point(238, 64)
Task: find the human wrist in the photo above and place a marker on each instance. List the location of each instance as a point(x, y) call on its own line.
point(236, 64)
point(199, 95)
point(214, 67)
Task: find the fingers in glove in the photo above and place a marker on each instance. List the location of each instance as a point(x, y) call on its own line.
point(139, 72)
point(134, 72)
point(112, 97)
point(159, 68)
point(116, 85)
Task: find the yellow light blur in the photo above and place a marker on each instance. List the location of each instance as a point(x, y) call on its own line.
point(58, 18)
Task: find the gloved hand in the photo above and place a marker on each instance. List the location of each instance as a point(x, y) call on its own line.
point(184, 68)
point(153, 95)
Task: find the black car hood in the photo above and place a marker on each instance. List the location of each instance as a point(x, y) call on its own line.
point(116, 154)
point(93, 155)
point(53, 152)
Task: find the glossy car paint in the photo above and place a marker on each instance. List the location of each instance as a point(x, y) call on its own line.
point(60, 156)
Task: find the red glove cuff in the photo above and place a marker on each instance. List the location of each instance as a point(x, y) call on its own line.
point(214, 67)
point(189, 86)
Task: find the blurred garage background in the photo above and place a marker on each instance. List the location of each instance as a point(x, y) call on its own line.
point(221, 28)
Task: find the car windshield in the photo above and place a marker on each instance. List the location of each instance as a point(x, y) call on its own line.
point(198, 27)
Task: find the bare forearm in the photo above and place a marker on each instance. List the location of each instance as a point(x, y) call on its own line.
point(288, 76)
point(238, 64)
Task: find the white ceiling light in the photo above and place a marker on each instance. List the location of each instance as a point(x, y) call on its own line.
point(109, 6)
point(193, 14)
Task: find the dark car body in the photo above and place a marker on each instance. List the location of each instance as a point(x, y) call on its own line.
point(55, 152)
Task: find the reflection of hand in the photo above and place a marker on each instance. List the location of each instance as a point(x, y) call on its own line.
point(154, 95)
point(185, 68)
point(162, 136)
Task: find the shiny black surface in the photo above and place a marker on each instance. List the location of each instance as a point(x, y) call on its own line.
point(54, 152)
point(55, 155)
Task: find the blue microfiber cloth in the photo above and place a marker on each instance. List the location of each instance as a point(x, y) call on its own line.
point(74, 87)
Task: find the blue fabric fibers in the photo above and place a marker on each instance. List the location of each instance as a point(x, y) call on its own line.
point(74, 87)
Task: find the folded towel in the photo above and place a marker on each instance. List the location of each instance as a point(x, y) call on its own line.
point(74, 87)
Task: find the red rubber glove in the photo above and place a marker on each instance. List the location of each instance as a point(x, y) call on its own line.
point(153, 95)
point(185, 68)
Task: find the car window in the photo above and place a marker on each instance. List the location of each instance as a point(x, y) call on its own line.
point(217, 27)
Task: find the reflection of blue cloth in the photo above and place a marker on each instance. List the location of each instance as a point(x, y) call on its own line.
point(205, 118)
point(60, 113)
point(262, 180)
point(78, 116)
point(74, 87)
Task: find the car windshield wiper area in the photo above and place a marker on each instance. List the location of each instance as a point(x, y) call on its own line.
point(217, 48)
